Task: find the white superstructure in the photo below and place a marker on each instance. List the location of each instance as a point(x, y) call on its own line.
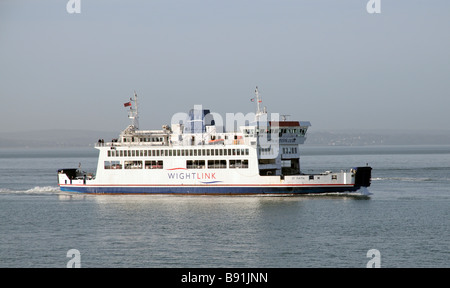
point(194, 156)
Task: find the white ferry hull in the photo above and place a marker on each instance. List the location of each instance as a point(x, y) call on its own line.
point(193, 157)
point(215, 190)
point(320, 183)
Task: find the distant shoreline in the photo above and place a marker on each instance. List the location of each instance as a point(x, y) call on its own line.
point(86, 138)
point(376, 137)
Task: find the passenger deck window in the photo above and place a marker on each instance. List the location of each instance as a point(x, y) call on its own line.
point(133, 164)
point(153, 164)
point(195, 164)
point(112, 165)
point(239, 163)
point(217, 164)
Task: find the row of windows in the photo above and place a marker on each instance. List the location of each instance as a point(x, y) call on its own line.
point(216, 164)
point(280, 131)
point(178, 152)
point(143, 139)
point(190, 164)
point(265, 151)
point(290, 150)
point(135, 164)
point(298, 132)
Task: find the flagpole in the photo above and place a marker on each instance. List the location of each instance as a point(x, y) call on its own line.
point(136, 114)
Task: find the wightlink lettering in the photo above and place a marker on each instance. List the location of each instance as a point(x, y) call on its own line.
point(192, 175)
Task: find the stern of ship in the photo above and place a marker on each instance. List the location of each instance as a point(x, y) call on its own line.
point(363, 176)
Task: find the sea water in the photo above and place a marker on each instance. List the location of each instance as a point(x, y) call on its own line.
point(403, 216)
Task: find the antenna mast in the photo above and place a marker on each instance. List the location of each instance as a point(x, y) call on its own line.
point(258, 103)
point(284, 117)
point(133, 113)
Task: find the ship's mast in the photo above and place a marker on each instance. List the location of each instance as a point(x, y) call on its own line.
point(133, 113)
point(259, 111)
point(258, 103)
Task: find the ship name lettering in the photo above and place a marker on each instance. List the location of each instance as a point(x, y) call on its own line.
point(191, 175)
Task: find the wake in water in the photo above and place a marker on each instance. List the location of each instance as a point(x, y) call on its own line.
point(405, 179)
point(54, 190)
point(38, 190)
point(363, 191)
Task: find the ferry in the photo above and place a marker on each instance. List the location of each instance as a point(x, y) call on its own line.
point(195, 155)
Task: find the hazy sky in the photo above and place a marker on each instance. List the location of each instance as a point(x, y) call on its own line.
point(325, 61)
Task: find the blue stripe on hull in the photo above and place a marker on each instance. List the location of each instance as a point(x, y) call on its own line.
point(206, 190)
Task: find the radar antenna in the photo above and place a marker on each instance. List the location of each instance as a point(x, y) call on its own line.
point(284, 117)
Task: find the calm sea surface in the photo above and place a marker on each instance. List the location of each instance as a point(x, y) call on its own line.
point(406, 217)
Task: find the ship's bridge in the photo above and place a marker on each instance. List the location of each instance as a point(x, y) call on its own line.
point(290, 132)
